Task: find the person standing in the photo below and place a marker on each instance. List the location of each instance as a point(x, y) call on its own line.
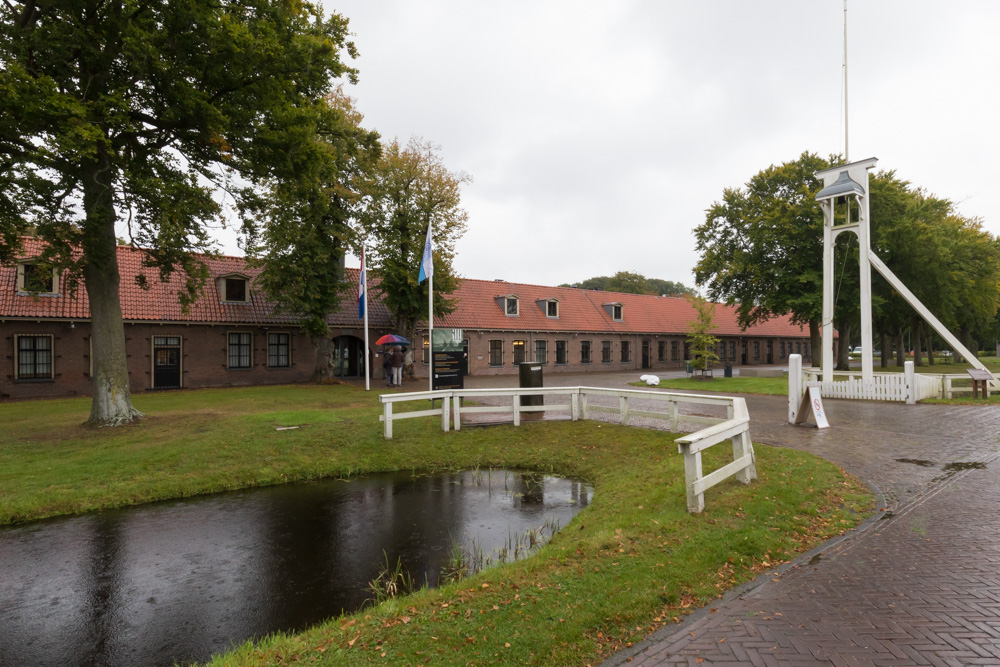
point(387, 365)
point(397, 366)
point(408, 363)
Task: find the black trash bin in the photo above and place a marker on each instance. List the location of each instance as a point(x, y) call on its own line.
point(530, 373)
point(728, 371)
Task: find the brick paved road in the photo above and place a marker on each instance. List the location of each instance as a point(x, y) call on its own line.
point(920, 586)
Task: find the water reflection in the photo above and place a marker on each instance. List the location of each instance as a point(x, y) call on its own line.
point(179, 580)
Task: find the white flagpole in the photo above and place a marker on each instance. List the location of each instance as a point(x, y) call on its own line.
point(364, 277)
point(430, 334)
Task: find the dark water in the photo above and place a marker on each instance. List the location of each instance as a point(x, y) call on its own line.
point(180, 580)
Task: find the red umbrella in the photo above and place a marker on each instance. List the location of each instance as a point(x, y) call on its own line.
point(392, 339)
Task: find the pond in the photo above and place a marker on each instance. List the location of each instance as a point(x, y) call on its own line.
point(179, 580)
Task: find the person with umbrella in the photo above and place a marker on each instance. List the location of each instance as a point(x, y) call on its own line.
point(392, 362)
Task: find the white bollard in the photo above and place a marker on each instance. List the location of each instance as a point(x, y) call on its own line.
point(794, 386)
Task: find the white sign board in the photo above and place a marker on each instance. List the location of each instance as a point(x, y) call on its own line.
point(812, 402)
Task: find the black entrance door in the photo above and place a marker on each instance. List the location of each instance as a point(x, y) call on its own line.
point(166, 362)
point(645, 354)
point(743, 353)
point(348, 355)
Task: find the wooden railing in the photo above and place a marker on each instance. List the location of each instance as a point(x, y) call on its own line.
point(581, 405)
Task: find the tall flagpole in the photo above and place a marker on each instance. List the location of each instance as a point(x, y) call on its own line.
point(427, 273)
point(430, 334)
point(846, 149)
point(364, 277)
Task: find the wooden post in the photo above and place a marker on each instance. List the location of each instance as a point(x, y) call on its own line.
point(458, 412)
point(623, 403)
point(387, 420)
point(692, 473)
point(517, 409)
point(446, 414)
point(742, 447)
point(910, 383)
point(583, 406)
point(574, 406)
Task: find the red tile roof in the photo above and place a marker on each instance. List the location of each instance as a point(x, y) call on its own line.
point(477, 304)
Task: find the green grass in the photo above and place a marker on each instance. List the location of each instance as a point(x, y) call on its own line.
point(724, 385)
point(633, 561)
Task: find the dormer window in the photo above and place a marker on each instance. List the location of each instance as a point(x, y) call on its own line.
point(235, 289)
point(512, 305)
point(614, 310)
point(552, 308)
point(35, 278)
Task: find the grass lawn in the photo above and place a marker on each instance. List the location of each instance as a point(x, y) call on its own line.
point(724, 385)
point(632, 561)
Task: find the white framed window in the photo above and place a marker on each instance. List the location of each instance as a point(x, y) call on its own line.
point(38, 279)
point(33, 357)
point(235, 289)
point(279, 350)
point(496, 353)
point(512, 306)
point(616, 312)
point(552, 308)
point(541, 352)
point(240, 350)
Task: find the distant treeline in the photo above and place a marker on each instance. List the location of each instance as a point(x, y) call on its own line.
point(633, 283)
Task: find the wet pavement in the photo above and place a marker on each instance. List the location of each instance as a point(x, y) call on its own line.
point(917, 585)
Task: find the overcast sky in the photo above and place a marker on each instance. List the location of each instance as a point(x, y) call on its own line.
point(598, 133)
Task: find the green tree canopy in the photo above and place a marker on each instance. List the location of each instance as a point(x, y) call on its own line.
point(306, 224)
point(410, 189)
point(138, 111)
point(633, 283)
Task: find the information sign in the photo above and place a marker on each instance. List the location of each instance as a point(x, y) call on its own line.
point(812, 402)
point(448, 358)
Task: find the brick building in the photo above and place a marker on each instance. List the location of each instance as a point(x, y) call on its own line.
point(232, 336)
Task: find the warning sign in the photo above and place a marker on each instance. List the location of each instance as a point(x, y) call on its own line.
point(812, 402)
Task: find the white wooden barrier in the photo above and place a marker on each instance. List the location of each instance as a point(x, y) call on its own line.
point(735, 427)
point(908, 386)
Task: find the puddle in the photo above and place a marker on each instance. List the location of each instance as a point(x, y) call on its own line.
point(815, 559)
point(918, 462)
point(963, 465)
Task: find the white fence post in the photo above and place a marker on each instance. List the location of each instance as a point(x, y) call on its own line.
point(583, 405)
point(692, 473)
point(794, 386)
point(387, 420)
point(457, 411)
point(909, 383)
point(517, 409)
point(624, 407)
point(446, 414)
point(574, 409)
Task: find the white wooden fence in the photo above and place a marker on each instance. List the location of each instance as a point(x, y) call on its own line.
point(906, 387)
point(735, 427)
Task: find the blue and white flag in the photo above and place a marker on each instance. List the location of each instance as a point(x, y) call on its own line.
point(362, 285)
point(427, 261)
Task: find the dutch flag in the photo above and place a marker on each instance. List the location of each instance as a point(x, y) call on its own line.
point(362, 283)
point(427, 261)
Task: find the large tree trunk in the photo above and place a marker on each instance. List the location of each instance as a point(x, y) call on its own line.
point(324, 370)
point(918, 352)
point(885, 348)
point(815, 342)
point(900, 350)
point(844, 348)
point(929, 337)
point(112, 401)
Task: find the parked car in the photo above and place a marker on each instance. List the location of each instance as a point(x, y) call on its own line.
point(945, 353)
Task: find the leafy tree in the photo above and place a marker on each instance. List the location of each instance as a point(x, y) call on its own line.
point(669, 288)
point(633, 283)
point(306, 223)
point(703, 344)
point(409, 190)
point(134, 111)
point(761, 246)
point(628, 282)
